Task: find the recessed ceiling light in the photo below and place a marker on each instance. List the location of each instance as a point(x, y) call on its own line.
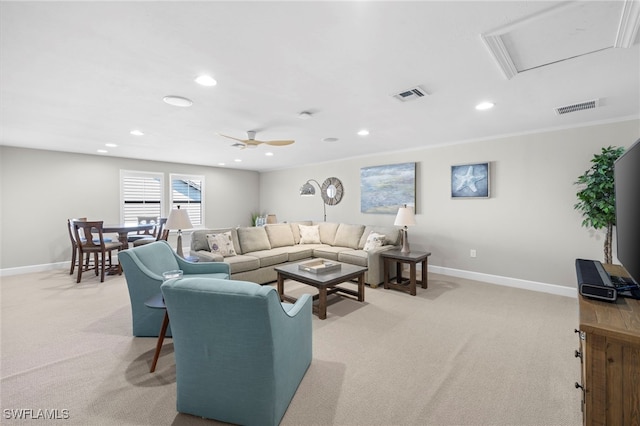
point(237, 160)
point(363, 132)
point(222, 164)
point(330, 140)
point(206, 80)
point(136, 133)
point(102, 151)
point(178, 101)
point(269, 154)
point(304, 115)
point(482, 106)
point(111, 145)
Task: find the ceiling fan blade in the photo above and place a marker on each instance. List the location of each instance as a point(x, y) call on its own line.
point(235, 139)
point(279, 143)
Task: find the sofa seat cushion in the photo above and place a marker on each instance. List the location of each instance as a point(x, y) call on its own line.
point(329, 252)
point(270, 257)
point(297, 252)
point(242, 263)
point(348, 235)
point(253, 238)
point(354, 257)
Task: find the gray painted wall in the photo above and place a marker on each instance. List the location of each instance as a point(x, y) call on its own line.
point(42, 189)
point(527, 230)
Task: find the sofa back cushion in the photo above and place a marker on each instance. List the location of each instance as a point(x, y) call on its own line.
point(309, 234)
point(348, 235)
point(295, 229)
point(391, 233)
point(253, 238)
point(327, 232)
point(280, 235)
point(199, 238)
point(221, 243)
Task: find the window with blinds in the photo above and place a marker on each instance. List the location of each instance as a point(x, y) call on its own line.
point(186, 192)
point(141, 194)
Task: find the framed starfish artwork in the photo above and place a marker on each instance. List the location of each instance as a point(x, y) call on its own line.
point(470, 181)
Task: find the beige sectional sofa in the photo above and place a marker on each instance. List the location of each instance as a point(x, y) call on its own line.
point(253, 252)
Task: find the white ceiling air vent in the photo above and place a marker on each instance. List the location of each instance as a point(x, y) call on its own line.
point(411, 94)
point(577, 107)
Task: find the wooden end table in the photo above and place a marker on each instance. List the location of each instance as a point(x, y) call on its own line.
point(412, 259)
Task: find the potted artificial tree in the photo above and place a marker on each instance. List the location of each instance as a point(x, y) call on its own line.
point(596, 198)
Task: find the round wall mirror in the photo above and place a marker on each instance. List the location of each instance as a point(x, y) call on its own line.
point(332, 191)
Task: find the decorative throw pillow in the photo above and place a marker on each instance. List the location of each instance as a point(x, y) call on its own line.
point(221, 244)
point(309, 234)
point(374, 240)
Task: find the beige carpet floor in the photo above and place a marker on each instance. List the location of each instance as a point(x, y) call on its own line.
point(459, 353)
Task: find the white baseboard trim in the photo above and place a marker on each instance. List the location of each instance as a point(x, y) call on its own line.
point(507, 281)
point(7, 272)
point(477, 276)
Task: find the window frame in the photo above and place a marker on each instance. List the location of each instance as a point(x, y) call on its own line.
point(173, 203)
point(124, 174)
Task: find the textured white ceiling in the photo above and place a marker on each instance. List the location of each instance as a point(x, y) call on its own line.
point(77, 75)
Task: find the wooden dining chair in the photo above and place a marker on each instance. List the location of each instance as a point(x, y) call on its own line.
point(147, 234)
point(76, 260)
point(161, 234)
point(90, 240)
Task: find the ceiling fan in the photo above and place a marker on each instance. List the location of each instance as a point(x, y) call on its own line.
point(252, 142)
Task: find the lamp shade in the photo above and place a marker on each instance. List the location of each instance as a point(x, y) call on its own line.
point(307, 189)
point(405, 217)
point(178, 219)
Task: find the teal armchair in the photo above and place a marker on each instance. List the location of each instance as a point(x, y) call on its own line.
point(143, 267)
point(240, 353)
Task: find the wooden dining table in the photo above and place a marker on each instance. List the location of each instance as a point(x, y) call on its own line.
point(123, 230)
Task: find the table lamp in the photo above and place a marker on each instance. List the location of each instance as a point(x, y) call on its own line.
point(178, 219)
point(405, 218)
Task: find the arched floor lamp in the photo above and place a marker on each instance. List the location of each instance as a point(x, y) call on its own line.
point(307, 190)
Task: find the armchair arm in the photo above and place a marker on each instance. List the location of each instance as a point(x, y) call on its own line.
point(143, 268)
point(203, 267)
point(300, 305)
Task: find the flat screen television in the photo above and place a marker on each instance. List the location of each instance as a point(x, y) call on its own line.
point(626, 172)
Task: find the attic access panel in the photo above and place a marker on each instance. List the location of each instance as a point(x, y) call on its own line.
point(560, 33)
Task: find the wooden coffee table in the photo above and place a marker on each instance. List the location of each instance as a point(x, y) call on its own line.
point(326, 283)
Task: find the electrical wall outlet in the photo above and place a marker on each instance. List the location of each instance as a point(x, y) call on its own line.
point(472, 253)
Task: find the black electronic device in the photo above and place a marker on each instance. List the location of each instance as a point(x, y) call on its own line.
point(594, 281)
point(599, 292)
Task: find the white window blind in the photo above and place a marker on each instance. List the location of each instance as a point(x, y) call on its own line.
point(141, 195)
point(186, 192)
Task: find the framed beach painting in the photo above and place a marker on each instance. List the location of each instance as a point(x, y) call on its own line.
point(470, 181)
point(384, 189)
